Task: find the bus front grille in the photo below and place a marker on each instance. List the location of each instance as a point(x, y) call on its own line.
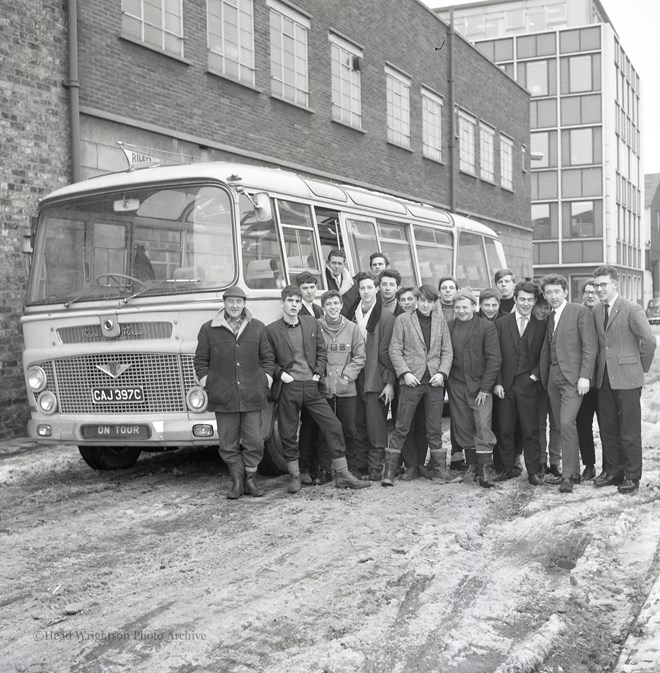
point(161, 378)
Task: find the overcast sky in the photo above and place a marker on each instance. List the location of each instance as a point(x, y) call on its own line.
point(637, 23)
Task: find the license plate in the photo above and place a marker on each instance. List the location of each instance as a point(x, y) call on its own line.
point(127, 431)
point(133, 395)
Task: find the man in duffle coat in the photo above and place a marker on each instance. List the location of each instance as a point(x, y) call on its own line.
point(235, 363)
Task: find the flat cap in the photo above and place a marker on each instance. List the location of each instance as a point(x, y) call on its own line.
point(234, 291)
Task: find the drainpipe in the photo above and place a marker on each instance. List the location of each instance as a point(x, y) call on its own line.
point(73, 86)
point(452, 115)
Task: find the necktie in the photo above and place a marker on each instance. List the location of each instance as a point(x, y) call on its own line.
point(522, 323)
point(606, 315)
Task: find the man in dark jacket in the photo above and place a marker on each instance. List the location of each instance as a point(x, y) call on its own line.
point(300, 363)
point(235, 363)
point(475, 364)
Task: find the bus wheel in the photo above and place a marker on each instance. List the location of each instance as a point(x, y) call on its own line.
point(273, 463)
point(110, 457)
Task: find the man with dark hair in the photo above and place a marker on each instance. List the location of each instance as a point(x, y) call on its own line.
point(489, 304)
point(337, 274)
point(568, 358)
point(421, 354)
point(585, 417)
point(234, 342)
point(626, 346)
point(378, 262)
point(300, 362)
point(474, 368)
point(308, 284)
point(376, 380)
point(518, 384)
point(505, 281)
point(389, 282)
point(447, 288)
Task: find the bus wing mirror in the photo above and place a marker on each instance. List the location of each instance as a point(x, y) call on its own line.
point(262, 207)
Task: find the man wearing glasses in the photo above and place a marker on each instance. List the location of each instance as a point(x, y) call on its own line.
point(626, 346)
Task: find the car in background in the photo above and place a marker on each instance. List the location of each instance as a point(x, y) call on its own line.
point(653, 310)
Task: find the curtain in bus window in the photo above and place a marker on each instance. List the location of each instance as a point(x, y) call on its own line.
point(435, 253)
point(471, 267)
point(298, 239)
point(395, 243)
point(262, 259)
point(363, 241)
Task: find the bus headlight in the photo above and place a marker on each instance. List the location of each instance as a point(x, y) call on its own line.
point(36, 378)
point(197, 399)
point(47, 402)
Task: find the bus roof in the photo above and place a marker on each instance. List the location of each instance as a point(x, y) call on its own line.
point(276, 180)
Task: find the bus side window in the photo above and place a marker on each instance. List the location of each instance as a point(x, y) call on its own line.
point(299, 240)
point(362, 237)
point(327, 222)
point(395, 243)
point(435, 253)
point(262, 260)
point(471, 266)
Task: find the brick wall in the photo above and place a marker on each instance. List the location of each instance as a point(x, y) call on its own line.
point(33, 123)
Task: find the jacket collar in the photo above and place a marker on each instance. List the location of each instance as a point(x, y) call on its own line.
point(220, 319)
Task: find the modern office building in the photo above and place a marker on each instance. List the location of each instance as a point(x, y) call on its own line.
point(367, 92)
point(652, 219)
point(587, 184)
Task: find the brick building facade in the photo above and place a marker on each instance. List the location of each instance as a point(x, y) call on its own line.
point(360, 93)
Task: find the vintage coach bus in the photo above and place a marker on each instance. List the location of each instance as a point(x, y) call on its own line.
point(126, 267)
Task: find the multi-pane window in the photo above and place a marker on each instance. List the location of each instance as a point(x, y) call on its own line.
point(545, 221)
point(487, 152)
point(580, 73)
point(431, 125)
point(288, 53)
point(538, 77)
point(582, 182)
point(582, 219)
point(157, 23)
point(581, 110)
point(467, 138)
point(581, 146)
point(230, 25)
point(346, 61)
point(543, 113)
point(544, 185)
point(398, 107)
point(506, 162)
point(544, 148)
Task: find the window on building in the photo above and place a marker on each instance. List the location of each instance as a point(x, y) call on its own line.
point(546, 253)
point(544, 185)
point(582, 219)
point(544, 143)
point(581, 110)
point(288, 53)
point(157, 23)
point(230, 27)
point(543, 113)
point(346, 61)
point(583, 39)
point(580, 73)
point(398, 107)
point(530, 46)
point(545, 221)
point(581, 146)
point(506, 162)
point(577, 252)
point(487, 152)
point(497, 50)
point(582, 182)
point(467, 138)
point(431, 125)
point(538, 77)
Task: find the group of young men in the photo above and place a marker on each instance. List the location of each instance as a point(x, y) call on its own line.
point(509, 360)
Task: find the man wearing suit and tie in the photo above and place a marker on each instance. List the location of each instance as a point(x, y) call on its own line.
point(518, 382)
point(568, 359)
point(626, 346)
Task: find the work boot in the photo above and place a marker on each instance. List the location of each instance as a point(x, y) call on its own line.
point(294, 480)
point(409, 474)
point(424, 471)
point(343, 476)
point(440, 471)
point(484, 480)
point(251, 487)
point(391, 462)
point(236, 472)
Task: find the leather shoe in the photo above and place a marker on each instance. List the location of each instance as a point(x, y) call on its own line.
point(607, 480)
point(375, 474)
point(458, 465)
point(535, 479)
point(323, 477)
point(628, 486)
point(409, 474)
point(575, 478)
point(553, 478)
point(306, 479)
point(588, 473)
point(566, 486)
point(554, 471)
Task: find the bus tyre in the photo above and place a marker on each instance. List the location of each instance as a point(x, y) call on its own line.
point(273, 462)
point(110, 457)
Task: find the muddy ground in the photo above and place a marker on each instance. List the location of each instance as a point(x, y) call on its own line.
point(151, 569)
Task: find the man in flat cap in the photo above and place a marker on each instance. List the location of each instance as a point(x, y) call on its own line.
point(234, 362)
